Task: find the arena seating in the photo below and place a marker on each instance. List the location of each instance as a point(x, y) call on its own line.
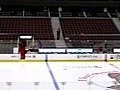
point(77, 29)
point(71, 26)
point(41, 28)
point(80, 22)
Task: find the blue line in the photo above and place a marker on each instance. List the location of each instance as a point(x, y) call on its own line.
point(52, 76)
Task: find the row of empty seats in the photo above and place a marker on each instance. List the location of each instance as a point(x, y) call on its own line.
point(76, 29)
point(73, 28)
point(95, 37)
point(42, 29)
point(88, 26)
point(39, 27)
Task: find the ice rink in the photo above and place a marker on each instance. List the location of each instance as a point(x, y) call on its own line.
point(59, 76)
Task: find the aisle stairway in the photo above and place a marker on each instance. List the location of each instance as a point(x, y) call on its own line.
point(117, 22)
point(55, 25)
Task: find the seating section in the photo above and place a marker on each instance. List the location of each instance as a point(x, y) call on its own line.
point(76, 29)
point(41, 28)
point(88, 26)
point(95, 37)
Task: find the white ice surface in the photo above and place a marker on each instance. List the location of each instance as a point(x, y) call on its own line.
point(24, 74)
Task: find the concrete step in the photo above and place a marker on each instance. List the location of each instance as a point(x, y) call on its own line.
point(60, 43)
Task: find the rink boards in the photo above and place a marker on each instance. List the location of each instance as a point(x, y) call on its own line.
point(66, 72)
